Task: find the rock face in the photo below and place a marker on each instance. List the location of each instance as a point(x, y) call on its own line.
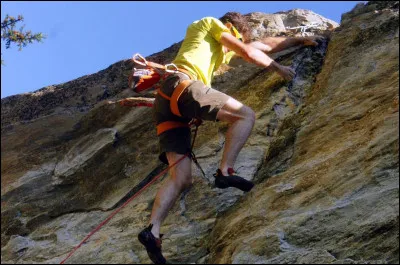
point(285, 23)
point(323, 154)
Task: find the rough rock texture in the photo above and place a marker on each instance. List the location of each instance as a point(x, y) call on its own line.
point(287, 23)
point(324, 155)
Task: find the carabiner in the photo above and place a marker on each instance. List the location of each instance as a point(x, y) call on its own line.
point(171, 71)
point(141, 60)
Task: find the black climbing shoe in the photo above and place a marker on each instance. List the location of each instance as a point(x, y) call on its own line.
point(152, 244)
point(232, 180)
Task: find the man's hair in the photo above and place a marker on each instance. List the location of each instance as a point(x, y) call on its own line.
point(239, 22)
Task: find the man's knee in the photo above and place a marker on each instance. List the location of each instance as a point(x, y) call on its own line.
point(231, 115)
point(187, 182)
point(246, 113)
point(181, 173)
point(249, 114)
point(182, 181)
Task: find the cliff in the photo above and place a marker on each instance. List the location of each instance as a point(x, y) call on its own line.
point(323, 154)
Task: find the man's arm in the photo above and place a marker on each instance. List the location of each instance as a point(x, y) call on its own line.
point(277, 44)
point(261, 46)
point(255, 55)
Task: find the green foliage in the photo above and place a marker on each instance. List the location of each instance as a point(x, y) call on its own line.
point(21, 38)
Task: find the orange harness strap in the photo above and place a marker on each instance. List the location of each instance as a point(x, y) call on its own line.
point(155, 65)
point(186, 72)
point(176, 95)
point(162, 94)
point(169, 125)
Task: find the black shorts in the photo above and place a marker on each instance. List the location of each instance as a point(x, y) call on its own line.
point(197, 101)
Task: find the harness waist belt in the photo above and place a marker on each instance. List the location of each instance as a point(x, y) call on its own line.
point(169, 125)
point(186, 73)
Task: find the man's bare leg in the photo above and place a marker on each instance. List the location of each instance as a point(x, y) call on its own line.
point(241, 119)
point(180, 178)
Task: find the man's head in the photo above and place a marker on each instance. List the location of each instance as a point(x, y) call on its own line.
point(239, 22)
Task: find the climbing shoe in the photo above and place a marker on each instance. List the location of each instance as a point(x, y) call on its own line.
point(152, 244)
point(232, 180)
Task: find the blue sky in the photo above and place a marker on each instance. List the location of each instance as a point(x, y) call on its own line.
point(86, 37)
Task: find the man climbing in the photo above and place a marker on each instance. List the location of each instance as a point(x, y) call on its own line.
point(208, 43)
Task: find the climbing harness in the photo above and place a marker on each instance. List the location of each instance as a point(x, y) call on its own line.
point(151, 77)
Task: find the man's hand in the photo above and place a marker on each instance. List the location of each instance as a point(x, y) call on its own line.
point(312, 40)
point(286, 72)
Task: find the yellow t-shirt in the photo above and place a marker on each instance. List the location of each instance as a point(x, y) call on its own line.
point(201, 53)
